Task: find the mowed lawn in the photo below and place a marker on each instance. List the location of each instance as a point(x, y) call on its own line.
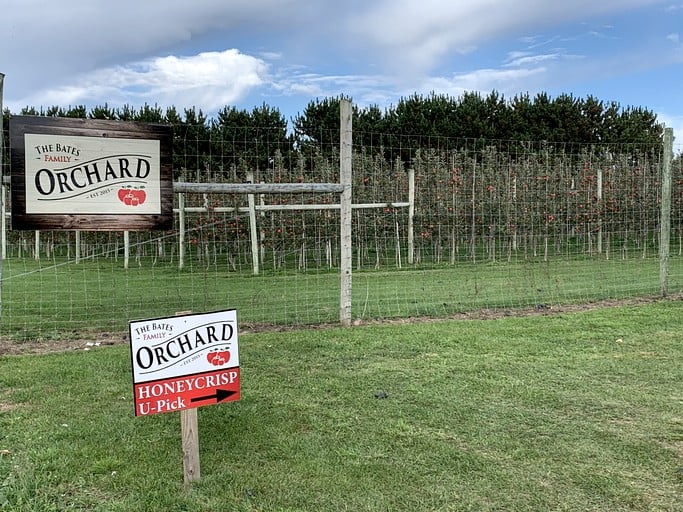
point(61, 300)
point(572, 412)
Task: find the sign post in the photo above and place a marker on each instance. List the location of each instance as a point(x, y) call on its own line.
point(2, 187)
point(189, 431)
point(181, 363)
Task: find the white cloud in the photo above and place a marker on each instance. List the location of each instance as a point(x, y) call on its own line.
point(676, 123)
point(518, 59)
point(483, 80)
point(52, 42)
point(413, 36)
point(209, 81)
point(154, 51)
point(361, 87)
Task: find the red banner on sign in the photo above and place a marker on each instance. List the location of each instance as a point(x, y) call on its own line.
point(186, 392)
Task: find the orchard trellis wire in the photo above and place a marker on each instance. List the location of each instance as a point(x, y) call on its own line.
point(496, 225)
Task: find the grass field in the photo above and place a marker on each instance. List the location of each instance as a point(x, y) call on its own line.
point(58, 299)
point(565, 412)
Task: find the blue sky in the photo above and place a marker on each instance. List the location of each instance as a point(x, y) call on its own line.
point(210, 54)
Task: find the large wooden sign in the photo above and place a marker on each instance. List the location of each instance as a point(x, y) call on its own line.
point(90, 174)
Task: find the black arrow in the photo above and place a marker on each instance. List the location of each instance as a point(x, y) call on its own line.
point(220, 396)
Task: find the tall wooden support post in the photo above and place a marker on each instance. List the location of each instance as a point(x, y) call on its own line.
point(2, 196)
point(3, 221)
point(36, 249)
point(126, 248)
point(78, 246)
point(181, 230)
point(77, 249)
point(345, 175)
point(3, 212)
point(599, 197)
point(252, 227)
point(411, 214)
point(2, 138)
point(665, 214)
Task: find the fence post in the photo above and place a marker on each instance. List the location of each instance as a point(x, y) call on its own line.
point(2, 183)
point(599, 197)
point(411, 215)
point(126, 249)
point(665, 214)
point(252, 227)
point(78, 246)
point(3, 219)
point(345, 174)
point(181, 230)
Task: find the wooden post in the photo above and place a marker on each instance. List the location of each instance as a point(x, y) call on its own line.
point(190, 433)
point(36, 254)
point(3, 212)
point(126, 248)
point(398, 246)
point(3, 235)
point(411, 215)
point(599, 196)
point(262, 234)
point(665, 214)
point(345, 175)
point(252, 227)
point(181, 230)
point(78, 246)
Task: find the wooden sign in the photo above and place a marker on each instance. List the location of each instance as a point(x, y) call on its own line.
point(90, 174)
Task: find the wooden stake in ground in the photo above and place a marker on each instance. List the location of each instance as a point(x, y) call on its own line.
point(190, 433)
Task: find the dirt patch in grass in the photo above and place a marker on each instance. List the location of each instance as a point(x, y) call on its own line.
point(5, 406)
point(81, 342)
point(94, 340)
point(536, 310)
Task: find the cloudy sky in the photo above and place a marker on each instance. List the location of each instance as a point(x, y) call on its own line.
point(211, 53)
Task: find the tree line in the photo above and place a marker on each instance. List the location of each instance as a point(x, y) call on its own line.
point(492, 117)
point(494, 178)
point(238, 138)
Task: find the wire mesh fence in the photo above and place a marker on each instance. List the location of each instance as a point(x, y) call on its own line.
point(494, 225)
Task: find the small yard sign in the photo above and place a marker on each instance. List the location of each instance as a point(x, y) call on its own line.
point(184, 361)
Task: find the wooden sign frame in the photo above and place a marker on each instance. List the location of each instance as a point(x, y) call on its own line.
point(89, 174)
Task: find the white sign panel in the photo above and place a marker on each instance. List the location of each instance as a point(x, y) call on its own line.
point(91, 175)
point(183, 345)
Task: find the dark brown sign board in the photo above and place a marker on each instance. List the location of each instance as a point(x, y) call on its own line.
point(88, 174)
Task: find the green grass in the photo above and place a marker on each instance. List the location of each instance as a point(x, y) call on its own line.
point(56, 299)
point(568, 412)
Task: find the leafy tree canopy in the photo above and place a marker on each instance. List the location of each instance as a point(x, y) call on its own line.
point(236, 139)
